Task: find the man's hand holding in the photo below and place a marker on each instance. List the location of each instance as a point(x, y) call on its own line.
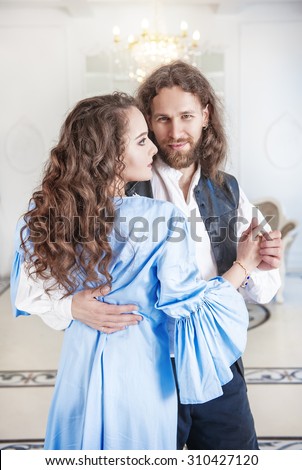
point(270, 250)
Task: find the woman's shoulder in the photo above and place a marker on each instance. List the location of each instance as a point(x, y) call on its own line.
point(141, 218)
point(145, 206)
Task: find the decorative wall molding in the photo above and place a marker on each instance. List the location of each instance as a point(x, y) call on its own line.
point(283, 142)
point(24, 146)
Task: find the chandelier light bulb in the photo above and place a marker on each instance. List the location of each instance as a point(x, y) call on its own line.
point(145, 25)
point(196, 37)
point(131, 39)
point(184, 29)
point(116, 34)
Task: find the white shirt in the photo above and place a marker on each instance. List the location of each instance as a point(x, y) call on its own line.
point(262, 286)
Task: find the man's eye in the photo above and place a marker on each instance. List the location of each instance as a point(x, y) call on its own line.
point(187, 116)
point(162, 119)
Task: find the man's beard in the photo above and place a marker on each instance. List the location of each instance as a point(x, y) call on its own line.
point(177, 159)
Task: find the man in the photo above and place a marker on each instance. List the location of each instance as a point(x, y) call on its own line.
point(185, 121)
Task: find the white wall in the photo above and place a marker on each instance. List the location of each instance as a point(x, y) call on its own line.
point(271, 117)
point(34, 98)
point(42, 57)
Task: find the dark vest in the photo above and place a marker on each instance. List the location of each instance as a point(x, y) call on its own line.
point(218, 206)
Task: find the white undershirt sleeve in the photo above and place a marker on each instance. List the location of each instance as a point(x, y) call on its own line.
point(32, 298)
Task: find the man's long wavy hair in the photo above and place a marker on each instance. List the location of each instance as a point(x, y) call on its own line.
point(213, 146)
point(65, 237)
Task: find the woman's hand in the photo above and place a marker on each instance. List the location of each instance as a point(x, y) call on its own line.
point(101, 316)
point(248, 250)
point(248, 255)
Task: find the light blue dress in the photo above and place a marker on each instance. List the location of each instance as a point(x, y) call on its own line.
point(118, 391)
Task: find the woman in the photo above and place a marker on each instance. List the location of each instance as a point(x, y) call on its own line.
point(118, 391)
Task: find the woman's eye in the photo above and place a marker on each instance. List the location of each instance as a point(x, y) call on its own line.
point(142, 141)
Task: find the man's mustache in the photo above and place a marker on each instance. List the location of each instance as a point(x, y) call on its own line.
point(178, 141)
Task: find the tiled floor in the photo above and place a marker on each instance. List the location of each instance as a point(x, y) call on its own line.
point(273, 363)
point(273, 360)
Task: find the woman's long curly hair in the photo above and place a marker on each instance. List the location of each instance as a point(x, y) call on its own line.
point(213, 146)
point(65, 237)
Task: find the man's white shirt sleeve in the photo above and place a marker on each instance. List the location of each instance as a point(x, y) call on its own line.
point(263, 285)
point(32, 298)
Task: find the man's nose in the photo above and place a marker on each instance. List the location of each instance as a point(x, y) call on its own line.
point(175, 129)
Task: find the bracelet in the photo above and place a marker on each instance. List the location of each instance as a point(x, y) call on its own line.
point(247, 276)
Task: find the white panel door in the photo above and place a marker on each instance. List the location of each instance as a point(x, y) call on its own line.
point(34, 100)
point(271, 117)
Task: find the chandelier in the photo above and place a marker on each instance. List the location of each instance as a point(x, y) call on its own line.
point(142, 53)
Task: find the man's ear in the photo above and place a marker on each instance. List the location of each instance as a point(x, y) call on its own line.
point(206, 116)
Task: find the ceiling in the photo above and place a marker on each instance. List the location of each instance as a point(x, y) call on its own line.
point(80, 8)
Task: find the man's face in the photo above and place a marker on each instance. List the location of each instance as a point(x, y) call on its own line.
point(176, 120)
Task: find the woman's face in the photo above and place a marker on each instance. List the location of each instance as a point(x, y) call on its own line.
point(139, 151)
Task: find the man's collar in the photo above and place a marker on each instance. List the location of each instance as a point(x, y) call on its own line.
point(161, 167)
point(174, 174)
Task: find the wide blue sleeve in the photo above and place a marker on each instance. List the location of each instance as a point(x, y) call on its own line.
point(18, 260)
point(211, 319)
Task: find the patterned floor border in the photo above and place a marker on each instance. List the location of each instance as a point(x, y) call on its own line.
point(253, 375)
point(275, 443)
point(31, 378)
point(272, 443)
point(273, 375)
point(22, 444)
